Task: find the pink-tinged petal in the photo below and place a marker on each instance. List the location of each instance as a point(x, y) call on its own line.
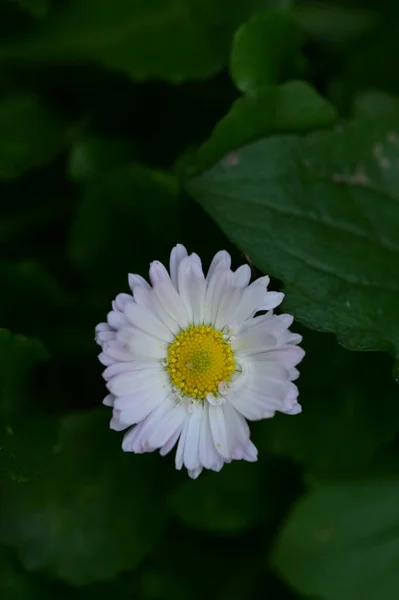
point(105, 360)
point(137, 281)
point(121, 301)
point(115, 423)
point(109, 400)
point(104, 336)
point(158, 273)
point(117, 351)
point(116, 319)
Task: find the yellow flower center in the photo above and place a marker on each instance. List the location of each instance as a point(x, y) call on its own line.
point(199, 359)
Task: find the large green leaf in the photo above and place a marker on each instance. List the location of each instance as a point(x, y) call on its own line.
point(266, 50)
point(31, 134)
point(92, 513)
point(171, 39)
point(341, 542)
point(292, 107)
point(322, 213)
point(26, 436)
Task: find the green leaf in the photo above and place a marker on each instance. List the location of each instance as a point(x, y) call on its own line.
point(341, 542)
point(93, 513)
point(343, 408)
point(266, 50)
point(168, 39)
point(118, 217)
point(92, 157)
point(292, 107)
point(31, 135)
point(26, 436)
point(225, 502)
point(322, 214)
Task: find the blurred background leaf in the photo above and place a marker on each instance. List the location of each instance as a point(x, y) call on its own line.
point(32, 135)
point(27, 436)
point(86, 518)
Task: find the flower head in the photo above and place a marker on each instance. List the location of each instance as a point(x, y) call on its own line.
point(189, 360)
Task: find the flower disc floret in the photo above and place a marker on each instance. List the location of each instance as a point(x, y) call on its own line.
point(199, 359)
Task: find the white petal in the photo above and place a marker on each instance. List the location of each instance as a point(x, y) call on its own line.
point(252, 298)
point(194, 473)
point(242, 276)
point(288, 357)
point(109, 400)
point(254, 340)
point(115, 423)
point(222, 259)
point(135, 381)
point(180, 446)
point(191, 284)
point(172, 303)
point(116, 319)
point(158, 273)
point(228, 305)
point(166, 448)
point(191, 447)
point(146, 321)
point(253, 406)
point(272, 300)
point(218, 429)
point(121, 300)
point(137, 281)
point(104, 336)
point(105, 360)
point(215, 291)
point(208, 455)
point(237, 431)
point(176, 256)
point(142, 345)
point(168, 425)
point(147, 298)
point(117, 351)
point(126, 367)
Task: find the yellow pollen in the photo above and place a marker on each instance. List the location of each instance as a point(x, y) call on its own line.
point(199, 359)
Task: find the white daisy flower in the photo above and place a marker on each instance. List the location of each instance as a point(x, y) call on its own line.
point(188, 362)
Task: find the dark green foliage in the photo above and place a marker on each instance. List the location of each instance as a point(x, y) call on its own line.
point(269, 128)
